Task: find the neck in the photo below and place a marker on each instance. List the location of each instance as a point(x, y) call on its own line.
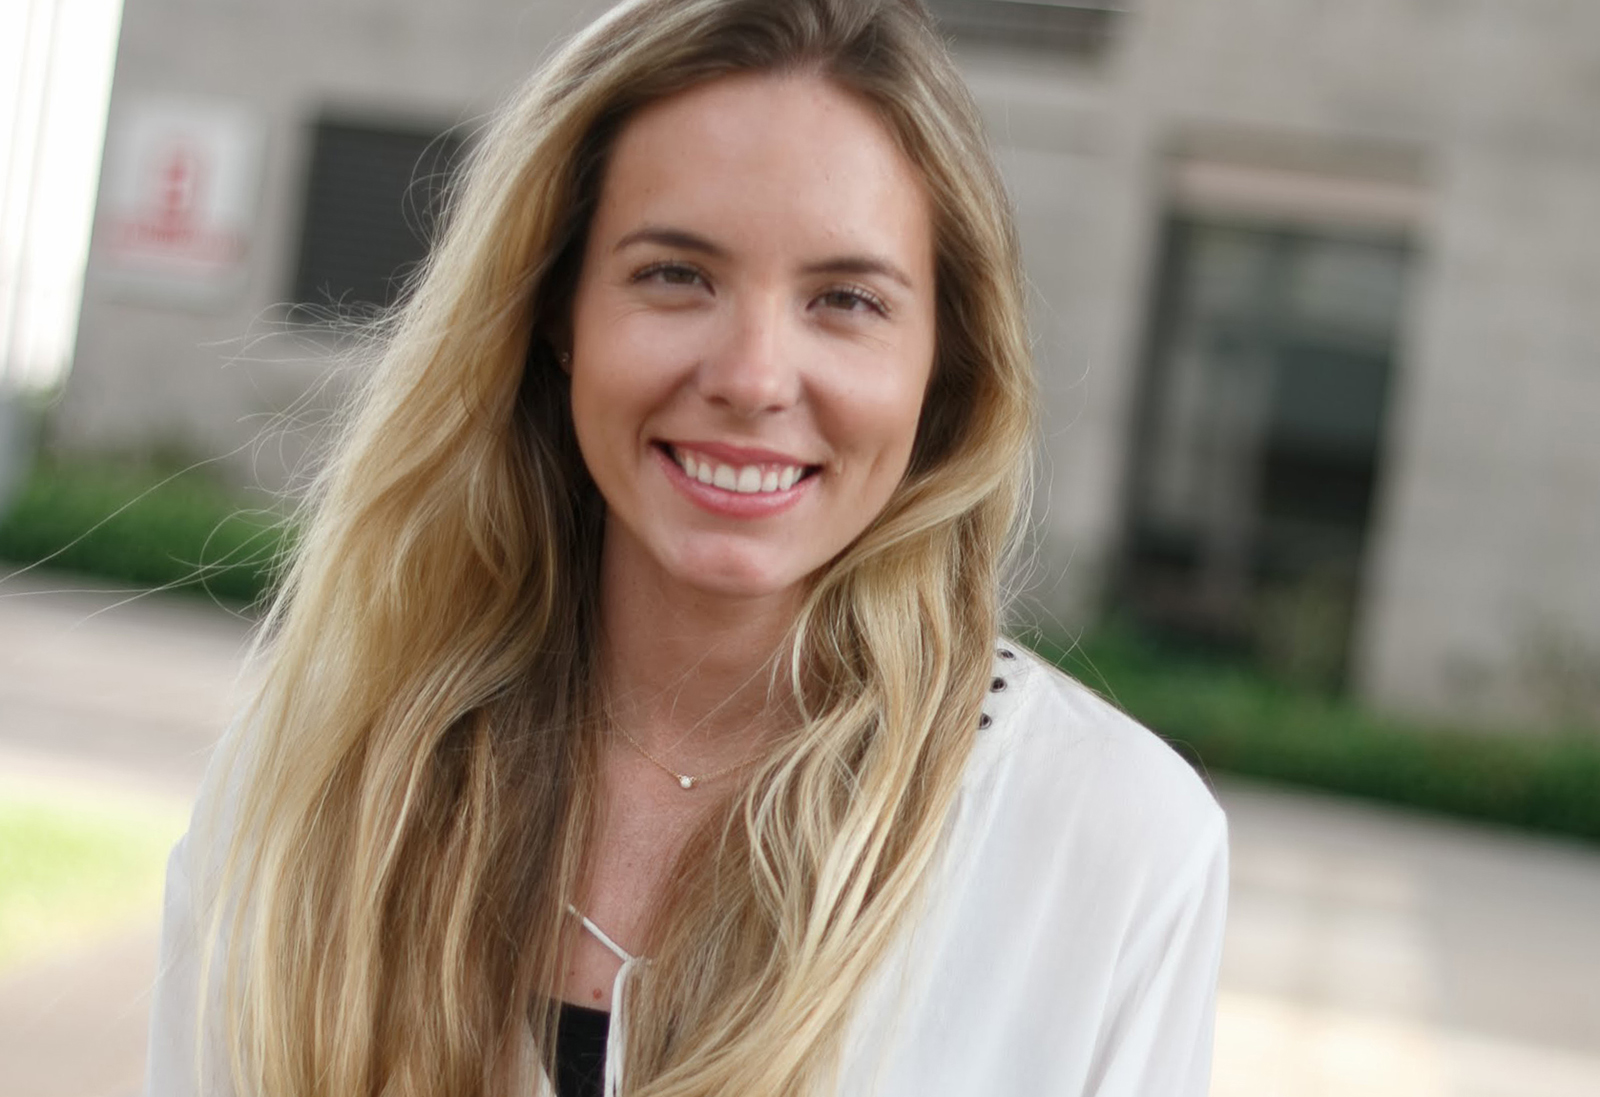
point(687, 672)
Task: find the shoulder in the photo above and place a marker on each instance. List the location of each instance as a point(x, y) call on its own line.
point(1081, 893)
point(1086, 782)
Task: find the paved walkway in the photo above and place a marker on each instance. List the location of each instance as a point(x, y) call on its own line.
point(1370, 952)
point(100, 696)
point(1377, 952)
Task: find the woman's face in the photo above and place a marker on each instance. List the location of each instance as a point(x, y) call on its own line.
point(753, 331)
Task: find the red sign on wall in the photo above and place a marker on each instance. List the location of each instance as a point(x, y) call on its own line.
point(182, 181)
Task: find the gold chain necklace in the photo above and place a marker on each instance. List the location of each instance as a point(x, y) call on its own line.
point(686, 781)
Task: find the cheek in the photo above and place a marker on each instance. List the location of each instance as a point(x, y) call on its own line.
point(591, 431)
point(631, 354)
point(903, 400)
point(606, 412)
point(611, 380)
point(882, 414)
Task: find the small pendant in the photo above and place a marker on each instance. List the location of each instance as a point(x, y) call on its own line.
point(685, 781)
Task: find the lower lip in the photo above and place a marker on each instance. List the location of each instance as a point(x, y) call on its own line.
point(732, 504)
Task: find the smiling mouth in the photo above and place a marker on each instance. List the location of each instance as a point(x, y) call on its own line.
point(752, 479)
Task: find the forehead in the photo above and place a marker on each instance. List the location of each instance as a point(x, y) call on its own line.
point(792, 157)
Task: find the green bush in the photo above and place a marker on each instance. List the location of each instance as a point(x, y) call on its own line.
point(187, 531)
point(141, 527)
point(1229, 718)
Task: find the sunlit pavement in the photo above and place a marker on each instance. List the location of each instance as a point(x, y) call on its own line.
point(100, 697)
point(1374, 951)
point(1370, 951)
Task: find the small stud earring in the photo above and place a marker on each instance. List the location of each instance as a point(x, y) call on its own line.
point(565, 358)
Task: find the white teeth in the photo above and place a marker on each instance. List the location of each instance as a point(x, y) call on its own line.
point(746, 480)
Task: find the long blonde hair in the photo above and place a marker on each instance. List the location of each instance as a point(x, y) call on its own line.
point(422, 757)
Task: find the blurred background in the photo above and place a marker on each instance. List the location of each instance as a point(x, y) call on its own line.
point(1316, 300)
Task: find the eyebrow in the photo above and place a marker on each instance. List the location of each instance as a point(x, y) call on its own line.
point(689, 241)
point(671, 238)
point(859, 264)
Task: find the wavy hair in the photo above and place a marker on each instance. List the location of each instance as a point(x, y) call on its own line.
point(423, 754)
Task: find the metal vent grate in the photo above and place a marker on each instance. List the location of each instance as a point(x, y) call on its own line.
point(372, 202)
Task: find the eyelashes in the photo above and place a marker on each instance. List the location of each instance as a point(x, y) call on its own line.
point(669, 272)
point(848, 298)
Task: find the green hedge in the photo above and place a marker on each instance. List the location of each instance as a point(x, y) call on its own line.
point(142, 527)
point(187, 531)
point(1230, 719)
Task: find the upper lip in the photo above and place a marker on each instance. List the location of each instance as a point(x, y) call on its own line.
point(738, 455)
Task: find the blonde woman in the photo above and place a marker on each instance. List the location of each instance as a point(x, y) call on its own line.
point(635, 717)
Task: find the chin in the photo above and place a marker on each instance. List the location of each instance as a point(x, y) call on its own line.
point(743, 586)
point(737, 575)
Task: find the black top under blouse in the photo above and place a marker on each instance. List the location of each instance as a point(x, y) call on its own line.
point(580, 1050)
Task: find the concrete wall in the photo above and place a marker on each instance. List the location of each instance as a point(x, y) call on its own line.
point(213, 379)
point(1482, 598)
point(1476, 122)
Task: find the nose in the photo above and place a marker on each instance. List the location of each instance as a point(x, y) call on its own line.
point(752, 370)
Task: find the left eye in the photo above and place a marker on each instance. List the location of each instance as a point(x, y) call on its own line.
point(852, 299)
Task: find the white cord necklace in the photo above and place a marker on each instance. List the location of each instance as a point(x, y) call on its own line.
point(686, 781)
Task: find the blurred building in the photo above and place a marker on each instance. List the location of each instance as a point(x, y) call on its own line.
point(1316, 293)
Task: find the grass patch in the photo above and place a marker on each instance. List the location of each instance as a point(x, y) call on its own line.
point(72, 867)
point(1230, 718)
point(141, 526)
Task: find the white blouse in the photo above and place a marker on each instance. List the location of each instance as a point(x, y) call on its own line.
point(1072, 934)
point(1069, 939)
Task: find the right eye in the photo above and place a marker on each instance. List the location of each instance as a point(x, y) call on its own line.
point(669, 274)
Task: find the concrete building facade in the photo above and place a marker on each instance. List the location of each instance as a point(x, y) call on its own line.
point(1303, 275)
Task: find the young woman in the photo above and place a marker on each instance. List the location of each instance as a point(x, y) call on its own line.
point(635, 715)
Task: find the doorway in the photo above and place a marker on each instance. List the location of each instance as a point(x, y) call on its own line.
point(1258, 446)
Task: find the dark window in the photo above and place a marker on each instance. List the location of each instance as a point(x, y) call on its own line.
point(1259, 441)
point(1050, 24)
point(372, 204)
